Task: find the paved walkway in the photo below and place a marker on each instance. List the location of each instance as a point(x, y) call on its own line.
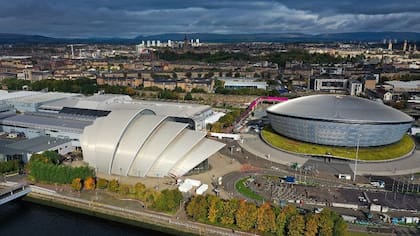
point(409, 165)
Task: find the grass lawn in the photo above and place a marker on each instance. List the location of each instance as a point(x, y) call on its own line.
point(368, 154)
point(244, 190)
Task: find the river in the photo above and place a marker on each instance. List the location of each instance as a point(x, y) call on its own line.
point(25, 218)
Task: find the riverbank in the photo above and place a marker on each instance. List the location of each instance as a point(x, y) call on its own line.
point(146, 219)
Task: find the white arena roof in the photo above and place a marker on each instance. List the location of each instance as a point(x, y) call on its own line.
point(138, 143)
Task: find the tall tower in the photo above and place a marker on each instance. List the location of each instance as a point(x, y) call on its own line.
point(390, 45)
point(405, 46)
point(185, 41)
point(415, 47)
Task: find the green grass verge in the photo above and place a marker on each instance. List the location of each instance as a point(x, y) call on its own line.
point(392, 151)
point(244, 190)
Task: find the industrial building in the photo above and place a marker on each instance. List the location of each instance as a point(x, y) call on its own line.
point(339, 120)
point(238, 83)
point(118, 135)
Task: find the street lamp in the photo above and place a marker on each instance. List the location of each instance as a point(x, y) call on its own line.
point(357, 156)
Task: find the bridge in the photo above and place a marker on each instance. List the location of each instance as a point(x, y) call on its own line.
point(10, 191)
point(251, 107)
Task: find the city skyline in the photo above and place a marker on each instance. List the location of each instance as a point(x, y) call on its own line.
point(129, 18)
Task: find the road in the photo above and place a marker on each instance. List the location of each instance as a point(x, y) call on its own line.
point(405, 166)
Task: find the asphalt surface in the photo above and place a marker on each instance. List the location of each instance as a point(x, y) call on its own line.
point(405, 166)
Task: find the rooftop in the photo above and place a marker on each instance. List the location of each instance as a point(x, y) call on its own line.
point(35, 145)
point(339, 108)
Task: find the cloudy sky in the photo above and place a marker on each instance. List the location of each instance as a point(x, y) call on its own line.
point(130, 18)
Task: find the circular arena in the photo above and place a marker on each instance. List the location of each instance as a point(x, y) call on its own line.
point(339, 120)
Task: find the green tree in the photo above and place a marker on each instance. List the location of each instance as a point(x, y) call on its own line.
point(340, 227)
point(296, 226)
point(283, 217)
point(325, 223)
point(246, 215)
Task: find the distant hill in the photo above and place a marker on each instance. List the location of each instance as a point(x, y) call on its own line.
point(221, 38)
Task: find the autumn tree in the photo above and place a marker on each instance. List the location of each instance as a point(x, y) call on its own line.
point(266, 219)
point(89, 183)
point(229, 210)
point(76, 184)
point(124, 189)
point(150, 197)
point(311, 225)
point(101, 183)
point(296, 225)
point(215, 208)
point(168, 200)
point(246, 215)
point(197, 208)
point(140, 188)
point(113, 185)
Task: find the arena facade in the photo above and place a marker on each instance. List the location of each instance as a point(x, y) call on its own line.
point(339, 120)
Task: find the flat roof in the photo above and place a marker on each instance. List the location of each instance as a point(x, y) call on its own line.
point(163, 108)
point(43, 97)
point(5, 95)
point(59, 123)
point(38, 144)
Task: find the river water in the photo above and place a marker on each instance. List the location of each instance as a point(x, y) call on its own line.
point(25, 218)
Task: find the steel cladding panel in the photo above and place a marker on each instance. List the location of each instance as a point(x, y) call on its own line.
point(154, 146)
point(338, 133)
point(133, 139)
point(175, 151)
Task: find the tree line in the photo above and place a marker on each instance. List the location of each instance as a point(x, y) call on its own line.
point(45, 167)
point(225, 121)
point(164, 201)
point(277, 57)
point(9, 166)
point(266, 218)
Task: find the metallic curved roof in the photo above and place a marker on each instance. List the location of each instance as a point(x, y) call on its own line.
point(341, 108)
point(137, 143)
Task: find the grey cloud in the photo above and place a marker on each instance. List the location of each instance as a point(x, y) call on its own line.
point(129, 18)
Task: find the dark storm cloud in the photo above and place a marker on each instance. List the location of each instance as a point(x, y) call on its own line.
point(129, 18)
